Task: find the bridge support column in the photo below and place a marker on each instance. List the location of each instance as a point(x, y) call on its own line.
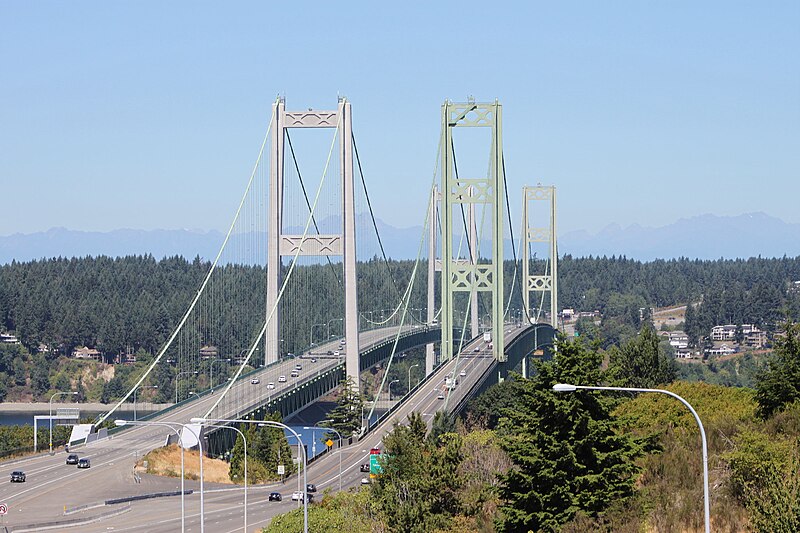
point(548, 282)
point(430, 354)
point(343, 243)
point(489, 192)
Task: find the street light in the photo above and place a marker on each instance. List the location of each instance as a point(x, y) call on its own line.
point(390, 388)
point(121, 423)
point(334, 320)
point(311, 335)
point(237, 430)
point(176, 381)
point(272, 423)
point(338, 435)
point(134, 396)
point(51, 414)
point(566, 387)
point(409, 375)
point(212, 370)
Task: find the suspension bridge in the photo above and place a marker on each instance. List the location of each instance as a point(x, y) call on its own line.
point(304, 255)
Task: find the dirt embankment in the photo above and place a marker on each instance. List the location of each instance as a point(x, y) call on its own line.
point(166, 461)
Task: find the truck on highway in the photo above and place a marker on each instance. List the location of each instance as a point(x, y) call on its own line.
point(487, 336)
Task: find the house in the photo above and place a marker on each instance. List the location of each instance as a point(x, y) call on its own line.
point(723, 349)
point(8, 338)
point(678, 339)
point(84, 352)
point(751, 335)
point(209, 352)
point(723, 333)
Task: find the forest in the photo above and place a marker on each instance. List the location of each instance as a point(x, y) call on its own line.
point(131, 305)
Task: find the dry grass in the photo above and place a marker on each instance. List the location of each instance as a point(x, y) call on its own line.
point(166, 461)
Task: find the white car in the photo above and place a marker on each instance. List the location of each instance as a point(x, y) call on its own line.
point(255, 381)
point(462, 373)
point(365, 481)
point(281, 379)
point(271, 385)
point(297, 496)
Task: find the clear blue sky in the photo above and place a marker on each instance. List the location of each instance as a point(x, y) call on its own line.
point(149, 114)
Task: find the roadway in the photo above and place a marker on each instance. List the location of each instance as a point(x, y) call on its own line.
point(52, 486)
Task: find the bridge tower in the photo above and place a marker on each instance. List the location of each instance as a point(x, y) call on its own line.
point(547, 282)
point(343, 243)
point(469, 276)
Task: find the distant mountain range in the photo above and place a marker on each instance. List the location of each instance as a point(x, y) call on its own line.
point(700, 237)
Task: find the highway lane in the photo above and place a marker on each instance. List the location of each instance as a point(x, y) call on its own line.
point(55, 485)
point(224, 510)
point(52, 485)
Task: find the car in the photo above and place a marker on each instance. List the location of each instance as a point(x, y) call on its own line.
point(310, 487)
point(17, 476)
point(275, 497)
point(365, 481)
point(477, 349)
point(295, 374)
point(281, 379)
point(84, 462)
point(462, 373)
point(330, 352)
point(365, 467)
point(298, 366)
point(337, 353)
point(271, 385)
point(313, 359)
point(375, 451)
point(72, 459)
point(255, 381)
point(440, 396)
point(297, 496)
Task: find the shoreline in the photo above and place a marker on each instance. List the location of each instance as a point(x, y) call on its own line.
point(28, 407)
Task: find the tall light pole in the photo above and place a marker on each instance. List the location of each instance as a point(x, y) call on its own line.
point(51, 414)
point(329, 325)
point(339, 436)
point(311, 339)
point(237, 430)
point(204, 421)
point(176, 381)
point(212, 370)
point(121, 423)
point(565, 387)
point(390, 389)
point(134, 396)
point(409, 376)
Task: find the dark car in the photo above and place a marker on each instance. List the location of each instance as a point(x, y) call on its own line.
point(310, 487)
point(72, 459)
point(365, 467)
point(84, 463)
point(275, 497)
point(17, 476)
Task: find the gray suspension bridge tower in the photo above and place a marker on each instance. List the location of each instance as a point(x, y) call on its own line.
point(468, 276)
point(547, 282)
point(343, 244)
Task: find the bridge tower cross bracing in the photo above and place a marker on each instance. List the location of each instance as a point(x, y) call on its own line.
point(343, 244)
point(547, 282)
point(466, 276)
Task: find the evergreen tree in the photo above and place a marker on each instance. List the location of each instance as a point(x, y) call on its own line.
point(779, 384)
point(346, 416)
point(417, 491)
point(567, 452)
point(642, 362)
